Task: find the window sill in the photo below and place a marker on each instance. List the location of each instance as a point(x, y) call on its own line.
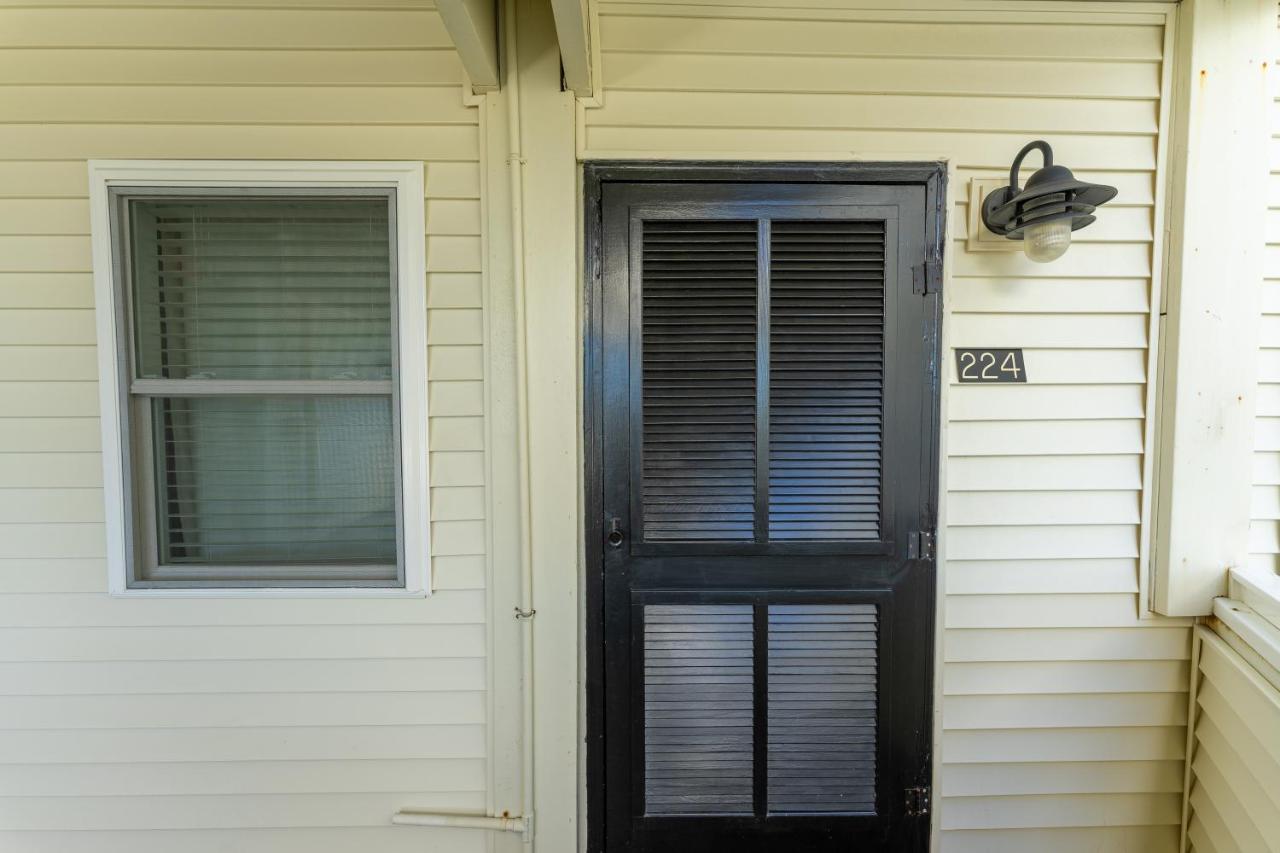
point(271, 592)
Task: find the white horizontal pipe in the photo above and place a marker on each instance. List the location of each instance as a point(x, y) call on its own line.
point(461, 821)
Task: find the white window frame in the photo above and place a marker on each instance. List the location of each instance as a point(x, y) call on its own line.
point(407, 179)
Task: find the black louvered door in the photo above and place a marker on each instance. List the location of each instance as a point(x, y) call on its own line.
point(763, 362)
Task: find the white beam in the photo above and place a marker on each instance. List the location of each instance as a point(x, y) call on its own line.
point(473, 26)
point(573, 32)
point(1208, 365)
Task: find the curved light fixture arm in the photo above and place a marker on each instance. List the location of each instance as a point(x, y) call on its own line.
point(1045, 150)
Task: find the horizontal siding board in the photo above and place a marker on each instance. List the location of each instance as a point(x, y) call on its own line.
point(1054, 677)
point(53, 575)
point(1001, 402)
point(1041, 577)
point(52, 363)
point(88, 814)
point(456, 398)
point(971, 148)
point(983, 509)
point(50, 470)
point(1143, 809)
point(170, 105)
point(453, 290)
point(42, 435)
point(242, 643)
point(455, 362)
point(823, 35)
point(243, 141)
point(45, 290)
point(457, 433)
point(452, 608)
point(1156, 642)
point(1110, 437)
point(249, 27)
point(1044, 473)
point(45, 326)
point(1043, 611)
point(1095, 839)
point(793, 110)
point(244, 744)
point(230, 67)
point(459, 504)
point(227, 777)
point(1031, 711)
point(242, 710)
point(455, 326)
point(998, 746)
point(1052, 541)
point(414, 671)
point(1082, 777)
point(456, 468)
point(1049, 295)
point(889, 75)
point(1105, 331)
point(384, 839)
point(462, 571)
point(43, 215)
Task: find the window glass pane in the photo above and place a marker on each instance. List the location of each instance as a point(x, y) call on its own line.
point(262, 288)
point(275, 480)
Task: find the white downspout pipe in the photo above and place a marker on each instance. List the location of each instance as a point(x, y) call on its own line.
point(525, 611)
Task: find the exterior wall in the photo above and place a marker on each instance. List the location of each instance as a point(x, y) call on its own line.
point(1063, 716)
point(1264, 532)
point(218, 724)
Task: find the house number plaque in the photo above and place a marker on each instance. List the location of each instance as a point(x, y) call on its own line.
point(990, 365)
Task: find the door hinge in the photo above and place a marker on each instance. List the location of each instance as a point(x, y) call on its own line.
point(926, 277)
point(917, 802)
point(921, 545)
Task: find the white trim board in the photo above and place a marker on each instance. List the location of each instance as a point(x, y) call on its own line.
point(408, 180)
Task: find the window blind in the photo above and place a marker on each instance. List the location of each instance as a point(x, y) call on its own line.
point(294, 288)
point(263, 341)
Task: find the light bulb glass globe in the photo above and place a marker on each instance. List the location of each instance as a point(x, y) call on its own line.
point(1047, 241)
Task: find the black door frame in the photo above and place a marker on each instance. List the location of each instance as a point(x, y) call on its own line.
point(931, 175)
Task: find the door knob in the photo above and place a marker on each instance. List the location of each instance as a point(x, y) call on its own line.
point(615, 536)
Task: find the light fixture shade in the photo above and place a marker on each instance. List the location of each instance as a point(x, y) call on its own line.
point(1053, 196)
point(1047, 241)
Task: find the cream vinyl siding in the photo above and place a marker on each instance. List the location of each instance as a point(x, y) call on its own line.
point(1264, 532)
point(151, 726)
point(1063, 720)
point(1235, 786)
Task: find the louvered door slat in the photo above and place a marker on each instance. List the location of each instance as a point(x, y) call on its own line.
point(822, 708)
point(698, 709)
point(699, 284)
point(826, 379)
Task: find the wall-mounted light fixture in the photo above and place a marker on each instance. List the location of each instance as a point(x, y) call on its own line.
point(1044, 214)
